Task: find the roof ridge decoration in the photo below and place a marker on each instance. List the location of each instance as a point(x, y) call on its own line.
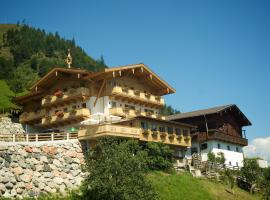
point(69, 59)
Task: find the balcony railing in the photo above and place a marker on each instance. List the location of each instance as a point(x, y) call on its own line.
point(37, 137)
point(137, 96)
point(94, 132)
point(165, 137)
point(65, 97)
point(32, 117)
point(61, 118)
point(89, 132)
point(128, 112)
point(218, 135)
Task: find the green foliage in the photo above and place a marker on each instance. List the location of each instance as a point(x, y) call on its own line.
point(168, 110)
point(5, 97)
point(27, 53)
point(117, 170)
point(218, 159)
point(230, 178)
point(251, 170)
point(265, 183)
point(160, 156)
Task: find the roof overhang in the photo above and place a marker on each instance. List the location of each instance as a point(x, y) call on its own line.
point(138, 70)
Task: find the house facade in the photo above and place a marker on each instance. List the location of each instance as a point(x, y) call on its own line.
point(218, 129)
point(122, 101)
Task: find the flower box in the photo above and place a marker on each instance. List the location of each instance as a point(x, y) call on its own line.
point(60, 114)
point(59, 93)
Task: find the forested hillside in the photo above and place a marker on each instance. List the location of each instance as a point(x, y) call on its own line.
point(27, 53)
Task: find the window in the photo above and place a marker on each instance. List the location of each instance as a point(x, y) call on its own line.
point(203, 146)
point(178, 131)
point(84, 105)
point(228, 148)
point(170, 130)
point(113, 104)
point(237, 164)
point(74, 107)
point(185, 132)
point(144, 125)
point(218, 146)
point(65, 109)
point(230, 163)
point(154, 127)
point(162, 129)
point(237, 149)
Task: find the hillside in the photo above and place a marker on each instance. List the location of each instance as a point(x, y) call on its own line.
point(27, 54)
point(185, 187)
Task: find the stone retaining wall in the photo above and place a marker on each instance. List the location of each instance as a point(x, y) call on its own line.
point(9, 127)
point(30, 169)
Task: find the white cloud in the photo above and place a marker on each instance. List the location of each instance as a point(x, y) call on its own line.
point(259, 147)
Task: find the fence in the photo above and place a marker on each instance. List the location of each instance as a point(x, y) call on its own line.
point(37, 137)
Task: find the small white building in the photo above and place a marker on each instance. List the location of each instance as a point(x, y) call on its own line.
point(219, 129)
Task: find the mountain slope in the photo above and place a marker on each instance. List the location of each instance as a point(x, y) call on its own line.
point(27, 54)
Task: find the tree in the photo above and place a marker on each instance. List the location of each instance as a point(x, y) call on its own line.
point(160, 156)
point(117, 170)
point(168, 110)
point(251, 172)
point(5, 97)
point(265, 183)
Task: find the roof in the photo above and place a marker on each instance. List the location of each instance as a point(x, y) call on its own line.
point(209, 111)
point(135, 68)
point(58, 69)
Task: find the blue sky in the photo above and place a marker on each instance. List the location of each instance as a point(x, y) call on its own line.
point(212, 52)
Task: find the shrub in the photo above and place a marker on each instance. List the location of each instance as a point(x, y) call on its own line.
point(117, 171)
point(160, 156)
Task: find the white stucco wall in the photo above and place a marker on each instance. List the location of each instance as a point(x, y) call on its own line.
point(232, 157)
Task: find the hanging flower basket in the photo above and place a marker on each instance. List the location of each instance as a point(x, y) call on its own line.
point(60, 114)
point(59, 93)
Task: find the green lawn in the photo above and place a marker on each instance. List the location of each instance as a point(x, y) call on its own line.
point(184, 186)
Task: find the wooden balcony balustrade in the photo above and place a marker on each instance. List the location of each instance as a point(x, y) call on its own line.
point(218, 135)
point(63, 118)
point(97, 131)
point(128, 112)
point(165, 137)
point(32, 117)
point(136, 96)
point(61, 98)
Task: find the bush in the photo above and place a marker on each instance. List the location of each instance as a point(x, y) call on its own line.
point(160, 156)
point(117, 171)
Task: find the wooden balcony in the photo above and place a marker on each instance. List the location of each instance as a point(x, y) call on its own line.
point(127, 112)
point(32, 117)
point(62, 98)
point(91, 132)
point(61, 119)
point(97, 131)
point(218, 135)
point(165, 137)
point(137, 97)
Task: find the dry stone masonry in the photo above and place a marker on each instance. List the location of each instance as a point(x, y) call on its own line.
point(9, 127)
point(30, 169)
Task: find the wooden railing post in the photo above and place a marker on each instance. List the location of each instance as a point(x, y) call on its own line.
point(52, 138)
point(13, 137)
point(36, 137)
point(27, 137)
point(67, 135)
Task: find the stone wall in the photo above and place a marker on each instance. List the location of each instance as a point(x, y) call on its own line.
point(9, 127)
point(30, 169)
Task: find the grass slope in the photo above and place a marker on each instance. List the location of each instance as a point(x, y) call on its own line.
point(185, 187)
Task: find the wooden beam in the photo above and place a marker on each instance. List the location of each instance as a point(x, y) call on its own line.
point(99, 92)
